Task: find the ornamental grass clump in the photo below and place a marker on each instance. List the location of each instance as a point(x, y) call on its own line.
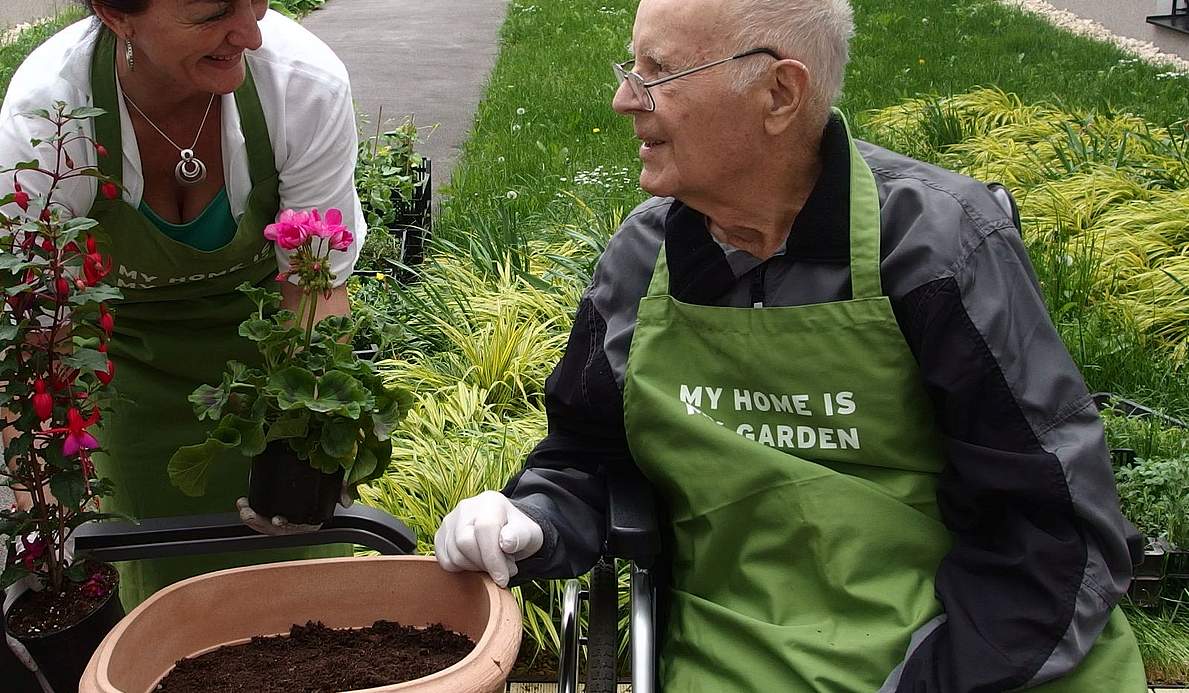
point(310, 393)
point(55, 375)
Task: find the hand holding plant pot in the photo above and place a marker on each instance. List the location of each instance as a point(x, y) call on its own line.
point(54, 378)
point(313, 417)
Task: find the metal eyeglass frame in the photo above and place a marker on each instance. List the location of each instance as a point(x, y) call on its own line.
point(640, 88)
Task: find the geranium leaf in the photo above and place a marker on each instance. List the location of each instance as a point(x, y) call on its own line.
point(291, 424)
point(250, 432)
point(339, 437)
point(255, 329)
point(189, 466)
point(208, 402)
point(341, 394)
point(293, 387)
point(365, 464)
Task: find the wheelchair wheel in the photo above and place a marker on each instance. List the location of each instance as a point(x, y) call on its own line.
point(602, 630)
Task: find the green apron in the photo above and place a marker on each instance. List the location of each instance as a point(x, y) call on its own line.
point(176, 328)
point(798, 455)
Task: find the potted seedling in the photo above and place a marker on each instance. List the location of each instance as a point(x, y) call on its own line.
point(313, 417)
point(54, 386)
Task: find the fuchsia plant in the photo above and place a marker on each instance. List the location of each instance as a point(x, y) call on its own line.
point(54, 369)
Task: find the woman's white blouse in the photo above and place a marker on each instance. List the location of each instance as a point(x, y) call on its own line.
point(305, 94)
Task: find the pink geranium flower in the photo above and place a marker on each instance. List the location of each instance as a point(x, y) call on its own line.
point(291, 229)
point(339, 235)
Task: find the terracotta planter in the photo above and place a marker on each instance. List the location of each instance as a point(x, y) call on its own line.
point(231, 606)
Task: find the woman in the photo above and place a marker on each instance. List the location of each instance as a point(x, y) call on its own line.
point(220, 113)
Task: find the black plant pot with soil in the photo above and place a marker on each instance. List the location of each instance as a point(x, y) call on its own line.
point(282, 484)
point(16, 677)
point(62, 653)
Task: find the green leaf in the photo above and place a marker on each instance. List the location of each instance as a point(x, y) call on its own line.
point(86, 360)
point(77, 224)
point(365, 464)
point(293, 387)
point(255, 329)
point(250, 432)
point(26, 165)
point(208, 401)
point(334, 327)
point(391, 406)
point(189, 466)
point(339, 437)
point(11, 575)
point(324, 462)
point(85, 112)
point(341, 394)
point(290, 424)
point(265, 299)
point(77, 572)
point(99, 293)
point(8, 332)
point(69, 487)
point(15, 263)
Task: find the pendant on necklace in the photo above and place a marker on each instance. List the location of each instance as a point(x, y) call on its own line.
point(190, 170)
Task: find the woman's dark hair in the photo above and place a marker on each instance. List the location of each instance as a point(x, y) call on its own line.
point(125, 6)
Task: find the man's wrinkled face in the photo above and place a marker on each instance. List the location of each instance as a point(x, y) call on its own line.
point(702, 131)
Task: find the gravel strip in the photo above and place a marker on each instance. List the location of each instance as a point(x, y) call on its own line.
point(1064, 19)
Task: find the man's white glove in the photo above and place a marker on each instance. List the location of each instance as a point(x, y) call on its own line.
point(486, 533)
point(278, 524)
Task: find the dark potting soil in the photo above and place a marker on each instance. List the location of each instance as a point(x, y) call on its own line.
point(317, 659)
point(39, 613)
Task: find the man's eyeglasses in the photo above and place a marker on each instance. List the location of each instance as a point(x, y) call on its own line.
point(623, 73)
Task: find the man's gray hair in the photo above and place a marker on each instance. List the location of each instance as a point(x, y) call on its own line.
point(815, 32)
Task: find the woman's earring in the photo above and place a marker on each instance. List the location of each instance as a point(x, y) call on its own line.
point(128, 55)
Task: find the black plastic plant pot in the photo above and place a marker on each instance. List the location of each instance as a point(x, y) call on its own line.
point(63, 655)
point(1153, 565)
point(281, 484)
point(414, 224)
point(16, 676)
point(1177, 565)
point(1145, 591)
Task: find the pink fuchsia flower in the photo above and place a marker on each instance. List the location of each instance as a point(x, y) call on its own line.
point(77, 437)
point(291, 229)
point(109, 190)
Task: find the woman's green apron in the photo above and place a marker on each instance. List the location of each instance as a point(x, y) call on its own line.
point(798, 455)
point(177, 327)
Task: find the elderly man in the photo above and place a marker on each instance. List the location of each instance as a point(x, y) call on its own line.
point(880, 467)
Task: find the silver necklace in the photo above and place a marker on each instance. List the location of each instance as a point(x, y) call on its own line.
point(190, 170)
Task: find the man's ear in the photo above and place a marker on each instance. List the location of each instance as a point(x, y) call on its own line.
point(115, 20)
point(788, 94)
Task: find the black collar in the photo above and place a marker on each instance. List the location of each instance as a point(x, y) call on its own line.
point(698, 268)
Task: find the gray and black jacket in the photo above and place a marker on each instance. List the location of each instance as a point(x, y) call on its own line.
point(1041, 551)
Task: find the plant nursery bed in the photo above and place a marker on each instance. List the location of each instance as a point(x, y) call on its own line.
point(316, 659)
point(38, 613)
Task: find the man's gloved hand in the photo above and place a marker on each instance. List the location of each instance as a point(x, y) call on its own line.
point(278, 524)
point(486, 533)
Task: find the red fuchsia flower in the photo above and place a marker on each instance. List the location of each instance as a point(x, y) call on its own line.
point(100, 150)
point(20, 197)
point(106, 322)
point(94, 587)
point(63, 287)
point(43, 402)
point(77, 438)
point(105, 376)
point(95, 268)
point(45, 215)
point(291, 230)
point(31, 550)
point(109, 190)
